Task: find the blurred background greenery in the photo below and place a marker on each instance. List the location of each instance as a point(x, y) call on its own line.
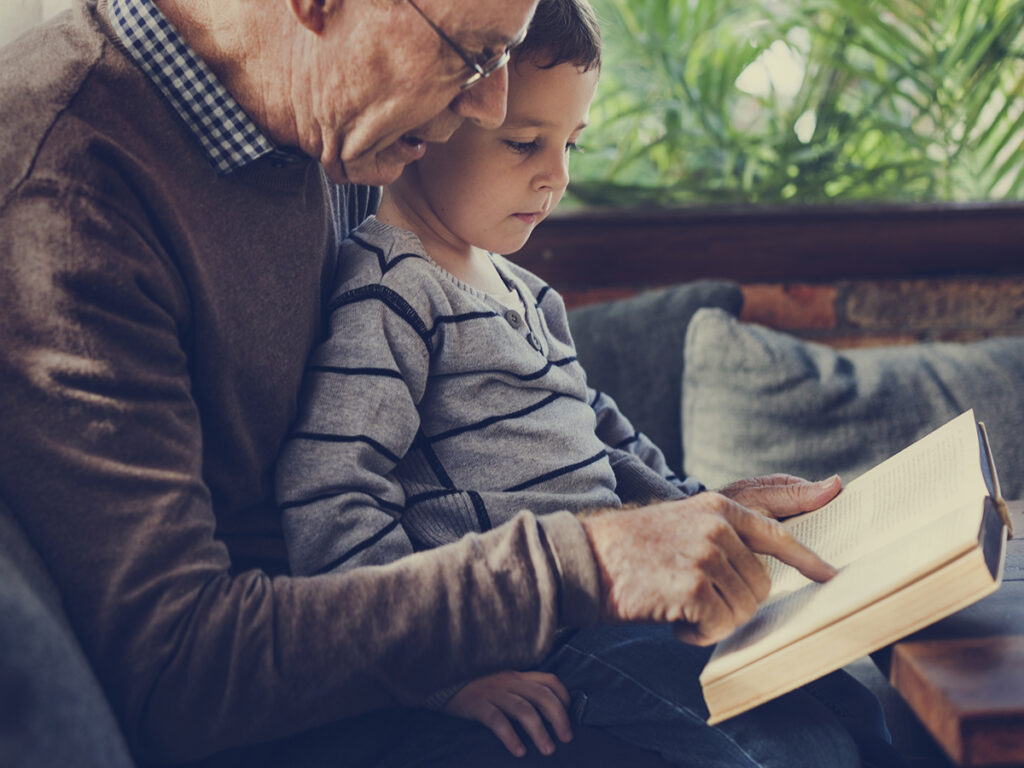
point(806, 101)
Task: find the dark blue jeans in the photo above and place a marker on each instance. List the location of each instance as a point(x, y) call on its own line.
point(420, 738)
point(636, 703)
point(640, 684)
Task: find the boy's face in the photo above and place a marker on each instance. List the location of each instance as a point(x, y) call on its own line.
point(490, 188)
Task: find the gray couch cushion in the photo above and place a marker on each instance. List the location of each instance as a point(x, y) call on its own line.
point(52, 710)
point(757, 401)
point(631, 350)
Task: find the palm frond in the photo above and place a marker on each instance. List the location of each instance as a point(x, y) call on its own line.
point(806, 100)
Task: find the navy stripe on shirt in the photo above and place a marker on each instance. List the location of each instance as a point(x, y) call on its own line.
point(538, 374)
point(335, 492)
point(484, 423)
point(557, 473)
point(325, 437)
point(342, 370)
point(364, 544)
point(385, 265)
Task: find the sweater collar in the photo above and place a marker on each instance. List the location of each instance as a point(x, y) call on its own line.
point(228, 135)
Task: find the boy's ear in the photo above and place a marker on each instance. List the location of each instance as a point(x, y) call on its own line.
point(312, 14)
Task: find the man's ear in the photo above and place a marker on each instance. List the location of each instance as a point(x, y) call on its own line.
point(312, 14)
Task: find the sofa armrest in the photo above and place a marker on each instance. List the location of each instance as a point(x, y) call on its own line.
point(53, 711)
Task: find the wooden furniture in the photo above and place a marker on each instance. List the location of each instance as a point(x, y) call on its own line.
point(618, 247)
point(964, 676)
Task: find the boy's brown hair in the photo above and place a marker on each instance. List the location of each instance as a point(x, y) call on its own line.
point(562, 31)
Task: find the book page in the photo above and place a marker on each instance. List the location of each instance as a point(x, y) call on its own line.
point(857, 585)
point(939, 472)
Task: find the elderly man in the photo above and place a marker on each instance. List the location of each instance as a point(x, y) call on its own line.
point(175, 176)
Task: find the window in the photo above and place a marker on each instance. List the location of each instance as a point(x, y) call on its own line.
point(792, 101)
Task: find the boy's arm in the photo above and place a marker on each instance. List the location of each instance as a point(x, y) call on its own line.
point(357, 417)
point(616, 431)
point(640, 466)
point(534, 700)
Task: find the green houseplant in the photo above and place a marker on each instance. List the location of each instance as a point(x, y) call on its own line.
point(808, 101)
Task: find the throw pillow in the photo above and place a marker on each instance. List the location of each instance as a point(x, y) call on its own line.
point(757, 401)
point(631, 350)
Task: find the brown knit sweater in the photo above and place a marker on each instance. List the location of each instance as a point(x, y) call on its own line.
point(154, 323)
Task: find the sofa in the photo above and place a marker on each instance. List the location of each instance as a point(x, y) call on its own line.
point(727, 399)
point(723, 398)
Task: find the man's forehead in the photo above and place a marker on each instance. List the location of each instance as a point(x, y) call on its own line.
point(494, 23)
point(527, 120)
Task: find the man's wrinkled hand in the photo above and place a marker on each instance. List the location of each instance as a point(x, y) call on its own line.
point(692, 562)
point(780, 496)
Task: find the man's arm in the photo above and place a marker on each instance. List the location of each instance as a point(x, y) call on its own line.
point(103, 464)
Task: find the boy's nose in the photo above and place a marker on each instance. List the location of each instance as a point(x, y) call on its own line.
point(556, 173)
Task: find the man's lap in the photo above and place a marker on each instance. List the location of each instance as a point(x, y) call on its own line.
point(631, 685)
point(472, 746)
point(420, 738)
point(642, 685)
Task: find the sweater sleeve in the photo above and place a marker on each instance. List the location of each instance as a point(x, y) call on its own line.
point(641, 472)
point(618, 433)
point(342, 507)
point(103, 464)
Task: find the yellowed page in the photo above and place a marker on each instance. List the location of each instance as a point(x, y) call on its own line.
point(935, 595)
point(940, 472)
point(857, 585)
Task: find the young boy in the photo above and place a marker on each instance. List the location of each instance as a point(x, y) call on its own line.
point(447, 398)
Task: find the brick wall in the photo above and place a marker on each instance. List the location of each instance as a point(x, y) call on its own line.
point(871, 312)
point(859, 313)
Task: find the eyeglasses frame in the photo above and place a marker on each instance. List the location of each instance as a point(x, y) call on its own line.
point(480, 69)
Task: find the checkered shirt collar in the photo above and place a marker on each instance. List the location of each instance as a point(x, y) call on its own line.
point(228, 135)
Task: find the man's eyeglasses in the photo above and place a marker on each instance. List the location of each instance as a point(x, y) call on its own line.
point(482, 64)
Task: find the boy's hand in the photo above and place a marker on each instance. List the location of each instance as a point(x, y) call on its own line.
point(522, 696)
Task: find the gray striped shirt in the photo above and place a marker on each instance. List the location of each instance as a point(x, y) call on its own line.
point(433, 410)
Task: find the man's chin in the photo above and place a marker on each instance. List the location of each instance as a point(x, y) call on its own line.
point(375, 171)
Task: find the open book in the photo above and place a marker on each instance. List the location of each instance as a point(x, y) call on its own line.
point(915, 539)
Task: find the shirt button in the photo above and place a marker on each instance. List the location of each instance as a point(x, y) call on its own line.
point(534, 341)
point(513, 318)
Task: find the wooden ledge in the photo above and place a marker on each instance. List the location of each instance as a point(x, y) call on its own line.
point(617, 248)
point(964, 676)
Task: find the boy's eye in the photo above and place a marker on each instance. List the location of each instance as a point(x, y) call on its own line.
point(529, 147)
point(522, 147)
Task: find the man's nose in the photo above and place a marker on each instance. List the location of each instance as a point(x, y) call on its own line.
point(486, 101)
